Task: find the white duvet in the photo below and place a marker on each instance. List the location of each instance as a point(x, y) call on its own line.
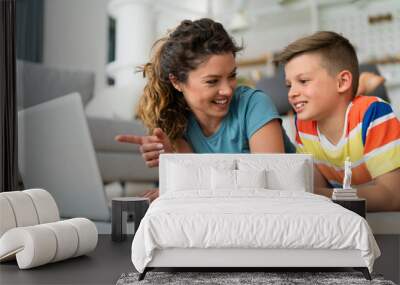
point(250, 219)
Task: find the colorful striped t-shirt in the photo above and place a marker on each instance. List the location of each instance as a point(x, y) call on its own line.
point(371, 139)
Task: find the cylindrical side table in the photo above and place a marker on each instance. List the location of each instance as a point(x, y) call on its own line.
point(121, 208)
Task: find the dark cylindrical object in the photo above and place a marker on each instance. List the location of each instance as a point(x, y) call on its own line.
point(122, 208)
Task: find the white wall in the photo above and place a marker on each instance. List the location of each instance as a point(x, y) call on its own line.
point(75, 36)
point(272, 32)
point(75, 31)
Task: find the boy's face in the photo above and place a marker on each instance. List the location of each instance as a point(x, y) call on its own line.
point(312, 90)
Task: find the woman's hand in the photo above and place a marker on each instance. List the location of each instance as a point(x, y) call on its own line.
point(150, 146)
point(151, 194)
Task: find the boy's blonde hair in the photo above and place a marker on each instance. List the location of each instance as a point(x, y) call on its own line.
point(336, 51)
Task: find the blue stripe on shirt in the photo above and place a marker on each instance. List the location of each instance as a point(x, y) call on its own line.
point(375, 111)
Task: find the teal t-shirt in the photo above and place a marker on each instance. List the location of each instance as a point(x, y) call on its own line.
point(249, 110)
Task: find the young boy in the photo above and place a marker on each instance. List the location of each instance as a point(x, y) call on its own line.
point(332, 123)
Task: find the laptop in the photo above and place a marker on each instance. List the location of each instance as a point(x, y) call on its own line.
point(56, 153)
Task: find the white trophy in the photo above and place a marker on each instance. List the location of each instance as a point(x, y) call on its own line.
point(346, 192)
point(347, 174)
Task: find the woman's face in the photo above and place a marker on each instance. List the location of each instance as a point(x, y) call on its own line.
point(209, 88)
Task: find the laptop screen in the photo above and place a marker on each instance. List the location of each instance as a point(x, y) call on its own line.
point(56, 153)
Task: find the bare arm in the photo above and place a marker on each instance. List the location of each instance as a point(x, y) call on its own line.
point(382, 195)
point(268, 139)
point(319, 180)
point(181, 146)
point(368, 82)
point(321, 186)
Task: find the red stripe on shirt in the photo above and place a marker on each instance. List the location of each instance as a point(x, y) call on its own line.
point(382, 134)
point(356, 114)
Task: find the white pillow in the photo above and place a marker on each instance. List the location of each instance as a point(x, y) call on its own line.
point(115, 102)
point(223, 179)
point(282, 174)
point(236, 179)
point(251, 178)
point(183, 177)
point(293, 180)
point(186, 175)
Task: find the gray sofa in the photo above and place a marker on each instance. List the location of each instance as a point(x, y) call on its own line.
point(67, 153)
point(37, 84)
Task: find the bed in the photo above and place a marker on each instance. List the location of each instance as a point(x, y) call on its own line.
point(246, 211)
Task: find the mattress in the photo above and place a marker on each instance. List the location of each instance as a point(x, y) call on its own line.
point(251, 219)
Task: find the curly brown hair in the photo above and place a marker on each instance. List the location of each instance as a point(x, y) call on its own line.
point(183, 50)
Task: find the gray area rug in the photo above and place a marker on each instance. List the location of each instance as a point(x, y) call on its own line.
point(269, 278)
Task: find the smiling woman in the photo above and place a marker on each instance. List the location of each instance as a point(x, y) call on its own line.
point(192, 103)
point(209, 90)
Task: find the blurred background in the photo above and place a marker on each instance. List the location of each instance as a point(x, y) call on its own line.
point(77, 87)
point(111, 37)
